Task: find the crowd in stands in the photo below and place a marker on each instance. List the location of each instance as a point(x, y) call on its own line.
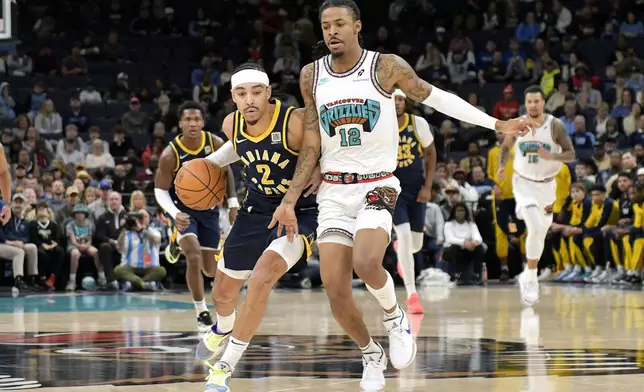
point(88, 101)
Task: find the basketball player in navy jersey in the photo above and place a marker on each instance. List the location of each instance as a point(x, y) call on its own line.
point(415, 146)
point(351, 133)
point(266, 136)
point(198, 231)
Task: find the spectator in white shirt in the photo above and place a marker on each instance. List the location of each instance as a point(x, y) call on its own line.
point(90, 95)
point(464, 249)
point(48, 121)
point(99, 158)
point(434, 227)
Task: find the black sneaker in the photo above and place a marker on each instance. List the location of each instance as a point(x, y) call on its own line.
point(20, 283)
point(505, 275)
point(204, 321)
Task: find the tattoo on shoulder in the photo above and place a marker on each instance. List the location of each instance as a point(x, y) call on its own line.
point(392, 71)
point(311, 120)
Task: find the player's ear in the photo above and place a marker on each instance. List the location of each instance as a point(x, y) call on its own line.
point(232, 96)
point(357, 26)
point(269, 91)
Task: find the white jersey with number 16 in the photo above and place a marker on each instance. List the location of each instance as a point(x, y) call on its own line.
point(527, 162)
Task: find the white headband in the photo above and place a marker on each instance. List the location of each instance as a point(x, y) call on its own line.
point(249, 76)
point(398, 93)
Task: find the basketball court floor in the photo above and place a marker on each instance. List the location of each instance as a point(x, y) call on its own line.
point(471, 339)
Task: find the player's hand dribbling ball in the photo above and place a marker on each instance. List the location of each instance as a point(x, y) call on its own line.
point(200, 184)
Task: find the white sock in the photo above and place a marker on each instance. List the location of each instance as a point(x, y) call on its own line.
point(370, 348)
point(72, 278)
point(406, 257)
point(101, 275)
point(532, 273)
point(200, 306)
point(233, 353)
point(225, 324)
point(386, 295)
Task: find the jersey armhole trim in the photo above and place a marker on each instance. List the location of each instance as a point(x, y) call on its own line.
point(412, 120)
point(211, 142)
point(235, 126)
point(287, 116)
point(374, 76)
point(316, 74)
point(176, 156)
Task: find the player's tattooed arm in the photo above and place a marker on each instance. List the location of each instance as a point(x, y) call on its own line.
point(506, 146)
point(394, 71)
point(561, 137)
point(310, 149)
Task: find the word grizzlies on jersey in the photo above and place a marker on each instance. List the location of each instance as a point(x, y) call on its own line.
point(531, 149)
point(345, 115)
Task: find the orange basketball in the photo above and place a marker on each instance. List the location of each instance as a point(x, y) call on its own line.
point(200, 184)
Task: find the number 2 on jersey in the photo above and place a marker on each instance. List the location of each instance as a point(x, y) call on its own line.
point(350, 138)
point(266, 173)
point(533, 158)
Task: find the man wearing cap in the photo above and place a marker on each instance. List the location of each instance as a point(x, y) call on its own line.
point(135, 121)
point(16, 244)
point(99, 206)
point(79, 232)
point(508, 107)
point(64, 213)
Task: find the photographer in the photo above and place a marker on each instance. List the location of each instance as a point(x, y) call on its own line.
point(108, 227)
point(139, 245)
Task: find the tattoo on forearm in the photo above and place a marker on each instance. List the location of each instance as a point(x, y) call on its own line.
point(393, 71)
point(504, 156)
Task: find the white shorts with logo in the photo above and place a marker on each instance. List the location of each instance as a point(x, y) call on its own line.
point(343, 209)
point(531, 193)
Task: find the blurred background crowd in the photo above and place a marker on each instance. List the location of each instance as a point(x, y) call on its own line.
point(88, 101)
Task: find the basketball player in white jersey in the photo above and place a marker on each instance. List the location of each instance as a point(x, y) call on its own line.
point(537, 160)
point(351, 127)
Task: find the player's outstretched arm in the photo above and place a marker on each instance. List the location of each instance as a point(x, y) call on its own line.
point(310, 150)
point(225, 153)
point(393, 71)
point(562, 138)
point(163, 182)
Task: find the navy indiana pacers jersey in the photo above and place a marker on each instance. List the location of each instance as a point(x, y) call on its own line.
point(269, 162)
point(183, 155)
point(410, 171)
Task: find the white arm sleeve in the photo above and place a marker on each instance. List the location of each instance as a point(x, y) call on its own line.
point(225, 155)
point(423, 131)
point(456, 107)
point(165, 201)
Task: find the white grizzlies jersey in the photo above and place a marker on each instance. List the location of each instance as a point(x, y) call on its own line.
point(526, 153)
point(358, 123)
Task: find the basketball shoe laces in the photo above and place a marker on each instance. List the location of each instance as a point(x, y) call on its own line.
point(217, 374)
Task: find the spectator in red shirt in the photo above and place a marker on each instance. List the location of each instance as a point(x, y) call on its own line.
point(508, 107)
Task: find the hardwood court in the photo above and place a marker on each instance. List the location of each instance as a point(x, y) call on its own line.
point(472, 339)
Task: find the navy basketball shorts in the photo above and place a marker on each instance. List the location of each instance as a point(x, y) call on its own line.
point(408, 210)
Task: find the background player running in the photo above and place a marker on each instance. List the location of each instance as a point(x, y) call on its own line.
point(538, 156)
point(415, 146)
point(198, 231)
point(351, 128)
point(266, 136)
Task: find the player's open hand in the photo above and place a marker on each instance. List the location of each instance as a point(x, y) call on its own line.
point(182, 221)
point(5, 215)
point(284, 217)
point(544, 154)
point(314, 182)
point(517, 126)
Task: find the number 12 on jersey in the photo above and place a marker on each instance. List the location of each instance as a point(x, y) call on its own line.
point(350, 137)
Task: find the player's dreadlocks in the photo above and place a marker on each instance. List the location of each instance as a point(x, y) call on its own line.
point(320, 49)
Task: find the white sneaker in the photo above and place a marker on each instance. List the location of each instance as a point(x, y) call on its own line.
point(212, 344)
point(375, 364)
point(402, 347)
point(217, 380)
point(545, 274)
point(529, 289)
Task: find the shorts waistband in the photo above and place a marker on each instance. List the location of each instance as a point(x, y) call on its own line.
point(354, 178)
point(533, 180)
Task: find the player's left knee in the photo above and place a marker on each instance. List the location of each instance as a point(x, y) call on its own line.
point(267, 272)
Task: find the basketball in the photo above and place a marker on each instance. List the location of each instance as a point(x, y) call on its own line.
point(88, 283)
point(200, 184)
